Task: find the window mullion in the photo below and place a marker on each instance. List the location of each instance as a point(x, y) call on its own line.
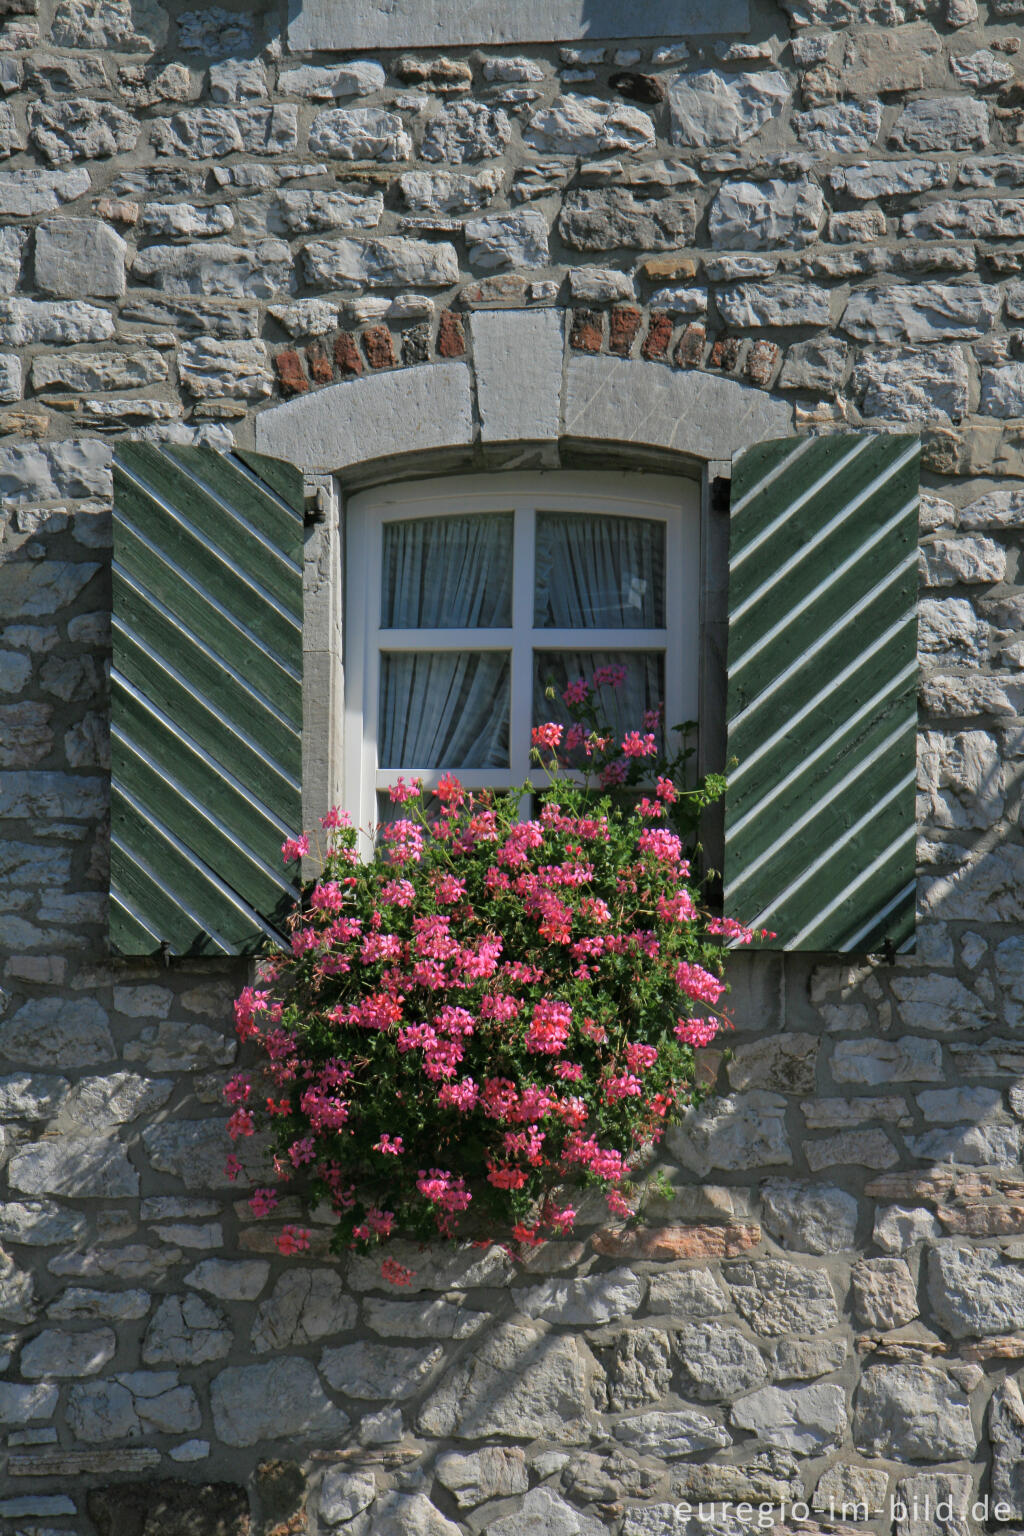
point(521, 703)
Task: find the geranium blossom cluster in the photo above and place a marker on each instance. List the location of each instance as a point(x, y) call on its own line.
point(485, 1011)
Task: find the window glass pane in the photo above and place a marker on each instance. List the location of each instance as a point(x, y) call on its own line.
point(448, 573)
point(599, 572)
point(643, 687)
point(444, 709)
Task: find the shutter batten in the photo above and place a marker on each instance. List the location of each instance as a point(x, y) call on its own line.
point(206, 739)
point(822, 699)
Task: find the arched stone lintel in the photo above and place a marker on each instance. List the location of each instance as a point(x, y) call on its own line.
point(520, 387)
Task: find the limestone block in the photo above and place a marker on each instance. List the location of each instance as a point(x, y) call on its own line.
point(974, 1292)
point(360, 133)
point(710, 109)
point(740, 1131)
point(809, 1217)
point(777, 1297)
point(912, 1412)
point(31, 322)
point(373, 1371)
point(986, 218)
point(236, 80)
point(1002, 391)
point(807, 1420)
point(884, 1293)
point(591, 1299)
point(871, 179)
point(205, 132)
point(81, 130)
point(586, 125)
point(496, 1472)
point(216, 269)
point(759, 215)
point(467, 130)
point(80, 1166)
point(54, 1031)
point(598, 220)
point(1006, 1431)
point(518, 362)
point(98, 1103)
point(345, 1494)
point(670, 1435)
point(841, 128)
point(305, 1305)
point(718, 1362)
point(914, 383)
point(55, 1353)
point(748, 306)
point(391, 261)
point(186, 221)
point(400, 412)
point(219, 369)
point(941, 122)
point(307, 212)
point(280, 1400)
point(518, 240)
point(327, 82)
point(514, 1382)
point(921, 312)
point(450, 191)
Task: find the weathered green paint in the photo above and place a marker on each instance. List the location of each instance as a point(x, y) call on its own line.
point(206, 755)
point(822, 713)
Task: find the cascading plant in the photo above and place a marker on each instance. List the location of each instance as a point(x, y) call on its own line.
point(495, 1008)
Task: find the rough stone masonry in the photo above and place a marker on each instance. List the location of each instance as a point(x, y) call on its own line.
point(196, 222)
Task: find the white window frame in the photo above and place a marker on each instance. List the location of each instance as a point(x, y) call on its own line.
point(673, 499)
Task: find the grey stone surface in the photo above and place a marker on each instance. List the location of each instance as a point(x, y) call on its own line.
point(711, 109)
point(518, 365)
point(597, 220)
point(914, 383)
point(586, 125)
point(308, 212)
point(690, 1293)
point(515, 1382)
point(280, 1400)
point(841, 128)
point(508, 239)
point(777, 1297)
point(55, 1353)
point(872, 179)
point(305, 1306)
point(804, 1359)
point(465, 131)
point(640, 1368)
point(974, 1292)
point(912, 1412)
point(29, 322)
point(325, 82)
point(1006, 1431)
point(883, 1293)
point(345, 1494)
point(762, 215)
point(214, 368)
point(316, 24)
point(92, 1167)
point(810, 1218)
point(374, 1371)
point(593, 1299)
point(941, 122)
point(718, 1362)
point(428, 408)
point(543, 1513)
point(82, 372)
point(806, 1420)
point(385, 263)
point(738, 1132)
point(360, 133)
point(670, 1435)
point(81, 130)
point(921, 312)
point(749, 305)
point(494, 1472)
point(1002, 391)
point(186, 1330)
point(870, 1063)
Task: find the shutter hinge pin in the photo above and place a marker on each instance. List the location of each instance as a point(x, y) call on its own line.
point(165, 952)
point(316, 508)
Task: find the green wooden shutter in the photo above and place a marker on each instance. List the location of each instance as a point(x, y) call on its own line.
point(206, 712)
point(820, 811)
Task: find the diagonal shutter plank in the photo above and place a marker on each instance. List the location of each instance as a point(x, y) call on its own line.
point(822, 716)
point(206, 698)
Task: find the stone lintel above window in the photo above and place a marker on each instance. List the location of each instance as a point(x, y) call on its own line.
point(345, 25)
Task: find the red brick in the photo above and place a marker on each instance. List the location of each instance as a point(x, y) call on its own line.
point(289, 371)
point(587, 334)
point(624, 324)
point(762, 360)
point(320, 370)
point(379, 347)
point(689, 351)
point(346, 353)
point(697, 1242)
point(659, 334)
point(725, 354)
point(451, 338)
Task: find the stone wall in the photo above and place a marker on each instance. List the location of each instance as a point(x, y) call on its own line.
point(196, 222)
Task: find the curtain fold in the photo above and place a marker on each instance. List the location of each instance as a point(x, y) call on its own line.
point(444, 709)
point(599, 572)
point(448, 573)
